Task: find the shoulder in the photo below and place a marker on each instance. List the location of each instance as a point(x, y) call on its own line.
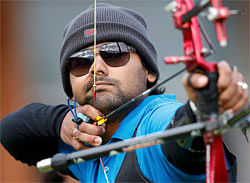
point(159, 112)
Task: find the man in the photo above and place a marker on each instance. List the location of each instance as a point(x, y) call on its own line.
point(125, 67)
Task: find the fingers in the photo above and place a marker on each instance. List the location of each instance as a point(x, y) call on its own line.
point(229, 92)
point(84, 137)
point(232, 96)
point(224, 75)
point(75, 135)
point(77, 145)
point(92, 113)
point(91, 129)
point(66, 128)
point(89, 111)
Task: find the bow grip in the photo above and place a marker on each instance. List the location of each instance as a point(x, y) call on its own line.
point(207, 97)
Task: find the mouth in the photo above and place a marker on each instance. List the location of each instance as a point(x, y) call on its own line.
point(102, 85)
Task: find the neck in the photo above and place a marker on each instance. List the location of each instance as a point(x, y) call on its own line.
point(111, 126)
point(113, 122)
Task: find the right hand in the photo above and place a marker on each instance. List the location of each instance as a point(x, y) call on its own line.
point(87, 133)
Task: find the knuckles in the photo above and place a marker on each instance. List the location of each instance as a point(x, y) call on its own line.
point(234, 84)
point(85, 108)
point(240, 92)
point(78, 147)
point(224, 98)
point(95, 130)
point(245, 96)
point(89, 110)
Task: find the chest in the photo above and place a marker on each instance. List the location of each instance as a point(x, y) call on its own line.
point(120, 168)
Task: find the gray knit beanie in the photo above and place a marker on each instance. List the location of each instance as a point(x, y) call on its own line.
point(113, 24)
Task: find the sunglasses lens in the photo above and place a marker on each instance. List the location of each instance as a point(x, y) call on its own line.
point(115, 54)
point(81, 64)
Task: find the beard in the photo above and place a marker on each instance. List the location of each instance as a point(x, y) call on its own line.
point(106, 102)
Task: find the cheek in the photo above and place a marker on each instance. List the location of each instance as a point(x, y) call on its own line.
point(136, 73)
point(73, 82)
point(74, 88)
point(133, 79)
point(78, 86)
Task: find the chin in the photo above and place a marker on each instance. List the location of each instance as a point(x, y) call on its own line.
point(107, 102)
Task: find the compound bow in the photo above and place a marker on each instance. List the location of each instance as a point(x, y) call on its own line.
point(184, 14)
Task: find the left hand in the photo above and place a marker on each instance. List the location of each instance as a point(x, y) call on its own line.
point(231, 95)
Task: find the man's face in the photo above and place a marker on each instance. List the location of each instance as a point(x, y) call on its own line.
point(114, 85)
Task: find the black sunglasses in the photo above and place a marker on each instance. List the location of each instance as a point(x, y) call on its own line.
point(114, 54)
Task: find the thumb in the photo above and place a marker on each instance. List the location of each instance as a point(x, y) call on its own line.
point(196, 80)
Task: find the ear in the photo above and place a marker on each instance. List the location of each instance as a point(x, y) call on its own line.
point(150, 77)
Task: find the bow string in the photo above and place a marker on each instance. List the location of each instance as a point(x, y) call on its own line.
point(94, 81)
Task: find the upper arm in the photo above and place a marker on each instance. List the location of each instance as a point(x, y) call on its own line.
point(31, 133)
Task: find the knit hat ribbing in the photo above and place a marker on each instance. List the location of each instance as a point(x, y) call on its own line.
point(113, 24)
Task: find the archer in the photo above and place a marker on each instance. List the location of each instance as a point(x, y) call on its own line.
point(125, 66)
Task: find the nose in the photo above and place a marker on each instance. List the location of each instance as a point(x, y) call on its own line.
point(100, 67)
